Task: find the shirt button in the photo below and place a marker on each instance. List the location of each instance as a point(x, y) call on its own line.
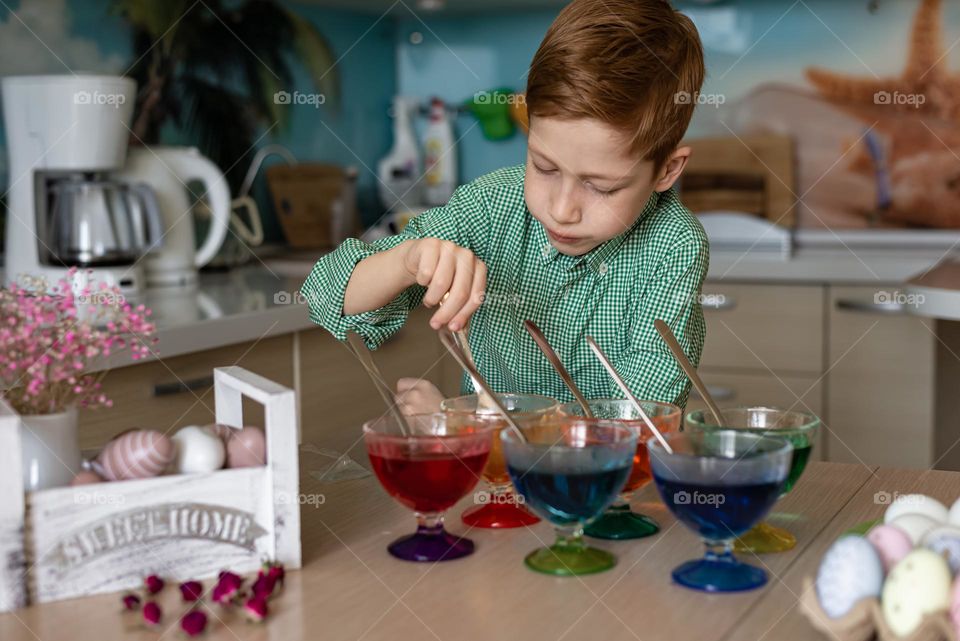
point(602, 269)
point(546, 250)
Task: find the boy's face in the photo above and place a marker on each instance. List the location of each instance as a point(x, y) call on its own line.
point(584, 186)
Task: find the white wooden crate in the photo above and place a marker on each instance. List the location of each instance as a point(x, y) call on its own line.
point(73, 541)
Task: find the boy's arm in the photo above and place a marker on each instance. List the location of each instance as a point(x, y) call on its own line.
point(373, 276)
point(648, 367)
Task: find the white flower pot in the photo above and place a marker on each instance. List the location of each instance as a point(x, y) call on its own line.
point(51, 449)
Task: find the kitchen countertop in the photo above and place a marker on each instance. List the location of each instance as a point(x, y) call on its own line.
point(350, 588)
point(258, 301)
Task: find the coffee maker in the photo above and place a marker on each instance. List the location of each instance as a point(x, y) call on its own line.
point(66, 135)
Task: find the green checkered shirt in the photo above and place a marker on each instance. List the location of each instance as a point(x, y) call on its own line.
point(613, 293)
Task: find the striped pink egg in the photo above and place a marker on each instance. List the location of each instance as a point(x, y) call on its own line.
point(136, 454)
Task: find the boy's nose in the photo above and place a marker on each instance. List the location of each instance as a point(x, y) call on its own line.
point(566, 209)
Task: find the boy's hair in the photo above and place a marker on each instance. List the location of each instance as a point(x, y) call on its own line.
point(636, 65)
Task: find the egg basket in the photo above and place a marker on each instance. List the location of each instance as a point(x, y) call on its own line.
point(865, 621)
point(66, 542)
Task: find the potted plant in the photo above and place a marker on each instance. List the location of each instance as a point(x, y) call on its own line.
point(215, 68)
point(50, 336)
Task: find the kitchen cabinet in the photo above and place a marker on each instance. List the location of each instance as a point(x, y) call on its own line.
point(881, 380)
point(849, 354)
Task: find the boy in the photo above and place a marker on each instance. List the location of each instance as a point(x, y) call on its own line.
point(587, 239)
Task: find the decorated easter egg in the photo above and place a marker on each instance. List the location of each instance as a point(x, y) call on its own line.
point(945, 541)
point(850, 571)
point(918, 585)
point(197, 450)
point(955, 607)
point(247, 448)
point(915, 525)
point(916, 504)
point(891, 542)
point(135, 454)
point(86, 477)
point(953, 517)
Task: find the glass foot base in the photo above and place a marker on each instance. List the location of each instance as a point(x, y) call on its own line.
point(619, 523)
point(727, 575)
point(566, 560)
point(764, 539)
point(429, 545)
point(498, 515)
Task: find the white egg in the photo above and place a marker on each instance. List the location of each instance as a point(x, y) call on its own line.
point(850, 571)
point(953, 517)
point(915, 525)
point(916, 586)
point(916, 504)
point(198, 450)
point(945, 541)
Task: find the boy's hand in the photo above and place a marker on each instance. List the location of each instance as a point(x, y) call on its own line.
point(442, 267)
point(417, 396)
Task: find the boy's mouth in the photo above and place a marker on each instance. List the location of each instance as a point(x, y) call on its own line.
point(563, 240)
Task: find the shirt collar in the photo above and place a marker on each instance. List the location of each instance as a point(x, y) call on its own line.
point(597, 257)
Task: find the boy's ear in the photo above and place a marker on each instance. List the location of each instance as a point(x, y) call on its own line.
point(672, 169)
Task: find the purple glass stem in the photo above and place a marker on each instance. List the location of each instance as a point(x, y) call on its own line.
point(430, 543)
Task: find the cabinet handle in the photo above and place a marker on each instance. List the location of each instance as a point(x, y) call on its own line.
point(718, 392)
point(178, 387)
point(870, 307)
point(718, 302)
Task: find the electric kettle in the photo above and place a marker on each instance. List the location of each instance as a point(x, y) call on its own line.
point(170, 172)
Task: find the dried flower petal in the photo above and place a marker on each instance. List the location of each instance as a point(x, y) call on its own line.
point(193, 622)
point(191, 590)
point(256, 609)
point(152, 613)
point(131, 602)
point(153, 584)
point(227, 587)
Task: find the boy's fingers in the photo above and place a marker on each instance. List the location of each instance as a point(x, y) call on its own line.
point(476, 296)
point(442, 279)
point(407, 383)
point(460, 291)
point(429, 256)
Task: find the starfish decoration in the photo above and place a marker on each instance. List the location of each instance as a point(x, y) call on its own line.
point(919, 112)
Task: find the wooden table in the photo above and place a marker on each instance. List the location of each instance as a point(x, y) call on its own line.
point(350, 588)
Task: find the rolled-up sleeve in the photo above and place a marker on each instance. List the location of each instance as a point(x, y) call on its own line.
point(463, 220)
point(648, 366)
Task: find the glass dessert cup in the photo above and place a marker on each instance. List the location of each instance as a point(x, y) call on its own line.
point(800, 428)
point(499, 506)
point(428, 470)
point(569, 471)
point(720, 483)
point(619, 521)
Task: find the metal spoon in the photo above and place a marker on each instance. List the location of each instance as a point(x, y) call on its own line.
point(551, 355)
point(484, 401)
point(451, 344)
point(626, 392)
point(689, 369)
point(359, 348)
